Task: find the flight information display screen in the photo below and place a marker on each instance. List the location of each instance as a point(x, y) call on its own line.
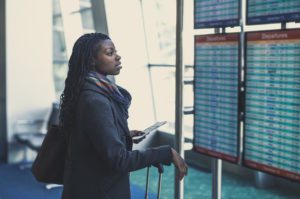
point(272, 106)
point(272, 11)
point(216, 13)
point(216, 93)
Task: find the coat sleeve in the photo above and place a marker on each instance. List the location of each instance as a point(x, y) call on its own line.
point(100, 127)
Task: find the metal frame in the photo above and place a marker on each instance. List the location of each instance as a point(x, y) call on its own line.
point(3, 119)
point(179, 139)
point(99, 16)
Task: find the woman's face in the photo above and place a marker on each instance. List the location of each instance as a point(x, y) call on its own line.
point(107, 61)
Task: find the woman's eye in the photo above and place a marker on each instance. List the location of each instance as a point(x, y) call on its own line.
point(111, 52)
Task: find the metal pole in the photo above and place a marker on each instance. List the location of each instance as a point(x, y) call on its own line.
point(178, 101)
point(216, 178)
point(147, 183)
point(216, 165)
point(99, 16)
point(242, 62)
point(283, 25)
point(3, 102)
point(159, 186)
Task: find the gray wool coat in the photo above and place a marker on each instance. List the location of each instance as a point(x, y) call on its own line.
point(100, 154)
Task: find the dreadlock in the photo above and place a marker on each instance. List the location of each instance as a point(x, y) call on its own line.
point(80, 63)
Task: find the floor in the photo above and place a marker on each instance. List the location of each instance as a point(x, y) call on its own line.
point(198, 186)
point(16, 183)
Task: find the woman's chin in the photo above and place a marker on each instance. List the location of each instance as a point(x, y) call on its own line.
point(117, 72)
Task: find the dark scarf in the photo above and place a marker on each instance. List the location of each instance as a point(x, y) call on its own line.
point(115, 92)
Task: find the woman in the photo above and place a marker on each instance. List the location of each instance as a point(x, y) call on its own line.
point(94, 114)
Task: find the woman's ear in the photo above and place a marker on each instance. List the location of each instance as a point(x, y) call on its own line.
point(93, 62)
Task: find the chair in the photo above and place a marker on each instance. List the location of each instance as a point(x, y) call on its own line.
point(31, 133)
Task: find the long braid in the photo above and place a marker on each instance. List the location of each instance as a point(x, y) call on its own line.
point(83, 52)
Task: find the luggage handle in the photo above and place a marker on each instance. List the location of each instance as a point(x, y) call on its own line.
point(160, 171)
point(160, 168)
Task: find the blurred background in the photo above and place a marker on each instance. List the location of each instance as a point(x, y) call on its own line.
point(36, 39)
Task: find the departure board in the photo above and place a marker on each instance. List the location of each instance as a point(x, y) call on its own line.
point(216, 13)
point(272, 11)
point(216, 93)
point(272, 106)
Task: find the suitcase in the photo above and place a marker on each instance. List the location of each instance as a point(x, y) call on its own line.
point(160, 171)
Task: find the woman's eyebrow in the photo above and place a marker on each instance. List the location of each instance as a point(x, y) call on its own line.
point(110, 48)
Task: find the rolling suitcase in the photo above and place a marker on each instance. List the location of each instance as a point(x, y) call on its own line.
point(160, 171)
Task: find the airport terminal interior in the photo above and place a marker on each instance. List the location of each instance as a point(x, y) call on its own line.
point(223, 74)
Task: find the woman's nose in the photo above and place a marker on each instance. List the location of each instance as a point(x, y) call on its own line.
point(118, 57)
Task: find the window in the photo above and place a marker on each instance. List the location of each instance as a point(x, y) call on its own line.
point(70, 20)
point(159, 20)
point(160, 28)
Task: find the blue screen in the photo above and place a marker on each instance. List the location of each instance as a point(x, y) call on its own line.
point(272, 116)
point(216, 13)
point(272, 11)
point(216, 95)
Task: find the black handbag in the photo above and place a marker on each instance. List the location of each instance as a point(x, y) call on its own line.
point(48, 166)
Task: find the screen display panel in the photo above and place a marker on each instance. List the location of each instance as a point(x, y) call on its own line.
point(216, 13)
point(216, 93)
point(272, 104)
point(272, 11)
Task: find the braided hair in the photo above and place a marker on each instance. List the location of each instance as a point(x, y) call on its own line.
point(80, 63)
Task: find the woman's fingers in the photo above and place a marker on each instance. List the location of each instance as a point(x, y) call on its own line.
point(135, 133)
point(183, 169)
point(139, 133)
point(182, 173)
point(137, 136)
point(180, 164)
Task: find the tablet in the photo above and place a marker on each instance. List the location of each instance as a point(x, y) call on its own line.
point(154, 127)
point(151, 129)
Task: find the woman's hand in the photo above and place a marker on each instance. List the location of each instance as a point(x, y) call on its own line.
point(137, 136)
point(179, 164)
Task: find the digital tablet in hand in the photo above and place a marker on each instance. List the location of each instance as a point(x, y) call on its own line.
point(152, 128)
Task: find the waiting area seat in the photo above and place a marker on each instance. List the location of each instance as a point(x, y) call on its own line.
point(31, 133)
point(31, 140)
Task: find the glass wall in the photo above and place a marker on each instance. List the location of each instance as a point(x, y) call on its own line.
point(70, 20)
point(160, 28)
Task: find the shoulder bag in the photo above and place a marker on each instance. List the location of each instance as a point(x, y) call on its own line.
point(48, 166)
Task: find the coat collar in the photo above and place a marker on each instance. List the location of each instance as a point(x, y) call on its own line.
point(90, 86)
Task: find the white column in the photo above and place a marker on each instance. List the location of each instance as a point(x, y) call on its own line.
point(29, 76)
